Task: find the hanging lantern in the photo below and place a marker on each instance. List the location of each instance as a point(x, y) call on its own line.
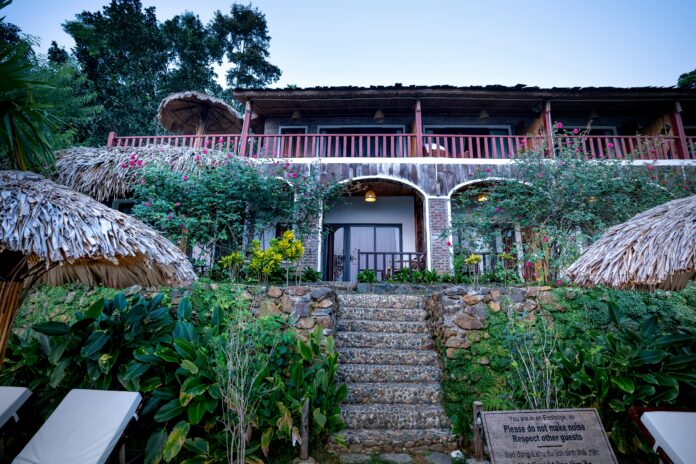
point(370, 196)
point(379, 116)
point(481, 197)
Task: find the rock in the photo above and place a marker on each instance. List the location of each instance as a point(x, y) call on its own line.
point(486, 335)
point(305, 323)
point(468, 322)
point(297, 290)
point(495, 294)
point(324, 322)
point(479, 311)
point(132, 290)
point(69, 298)
point(320, 293)
point(456, 290)
point(438, 458)
point(517, 295)
point(214, 287)
point(286, 304)
point(484, 361)
point(309, 460)
point(451, 352)
point(274, 292)
point(323, 304)
point(531, 317)
point(494, 306)
point(457, 342)
point(269, 307)
point(397, 458)
point(472, 299)
point(530, 305)
point(302, 309)
point(353, 458)
point(355, 448)
point(246, 295)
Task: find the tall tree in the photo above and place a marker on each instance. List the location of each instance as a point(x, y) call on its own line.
point(57, 55)
point(242, 37)
point(191, 51)
point(687, 80)
point(123, 52)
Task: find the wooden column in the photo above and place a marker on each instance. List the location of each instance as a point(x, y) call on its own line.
point(10, 301)
point(110, 140)
point(548, 128)
point(245, 128)
point(478, 431)
point(678, 129)
point(419, 130)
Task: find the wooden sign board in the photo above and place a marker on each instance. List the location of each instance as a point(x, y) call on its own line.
point(551, 436)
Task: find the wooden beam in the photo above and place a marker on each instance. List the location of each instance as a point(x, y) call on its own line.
point(245, 128)
point(419, 130)
point(678, 128)
point(548, 128)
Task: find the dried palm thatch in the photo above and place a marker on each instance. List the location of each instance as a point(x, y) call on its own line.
point(654, 250)
point(106, 173)
point(49, 233)
point(197, 113)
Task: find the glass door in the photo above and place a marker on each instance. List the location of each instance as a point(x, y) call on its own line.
point(344, 242)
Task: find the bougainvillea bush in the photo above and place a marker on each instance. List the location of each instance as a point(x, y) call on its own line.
point(560, 205)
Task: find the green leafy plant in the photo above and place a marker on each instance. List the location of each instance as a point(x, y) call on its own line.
point(367, 276)
point(233, 264)
point(310, 275)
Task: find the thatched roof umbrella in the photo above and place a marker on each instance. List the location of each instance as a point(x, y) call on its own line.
point(197, 113)
point(654, 250)
point(49, 233)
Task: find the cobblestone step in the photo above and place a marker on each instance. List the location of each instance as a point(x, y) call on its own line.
point(381, 314)
point(384, 340)
point(390, 393)
point(361, 325)
point(394, 416)
point(387, 356)
point(387, 373)
point(381, 301)
point(386, 440)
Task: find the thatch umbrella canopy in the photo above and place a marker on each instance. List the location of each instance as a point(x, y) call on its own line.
point(654, 250)
point(197, 113)
point(49, 233)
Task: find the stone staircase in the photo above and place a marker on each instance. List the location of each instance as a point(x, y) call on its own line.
point(391, 368)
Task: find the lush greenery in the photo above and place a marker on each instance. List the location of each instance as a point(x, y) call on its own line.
point(44, 104)
point(687, 80)
point(589, 359)
point(174, 358)
point(557, 206)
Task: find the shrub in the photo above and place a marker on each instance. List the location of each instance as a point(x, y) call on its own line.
point(310, 275)
point(172, 360)
point(367, 276)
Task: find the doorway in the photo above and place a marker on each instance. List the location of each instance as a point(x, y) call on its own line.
point(343, 241)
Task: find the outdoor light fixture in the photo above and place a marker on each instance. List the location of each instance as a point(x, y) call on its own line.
point(481, 197)
point(379, 116)
point(483, 115)
point(370, 196)
point(296, 116)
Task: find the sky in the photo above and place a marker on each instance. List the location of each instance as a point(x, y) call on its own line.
point(429, 42)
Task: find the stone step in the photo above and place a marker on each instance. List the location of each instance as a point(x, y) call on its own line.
point(361, 325)
point(369, 440)
point(379, 340)
point(387, 356)
point(394, 416)
point(387, 373)
point(381, 301)
point(381, 314)
point(386, 393)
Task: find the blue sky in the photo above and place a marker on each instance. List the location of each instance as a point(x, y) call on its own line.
point(543, 43)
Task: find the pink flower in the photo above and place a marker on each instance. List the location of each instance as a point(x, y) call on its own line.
point(124, 165)
point(449, 244)
point(177, 204)
point(132, 156)
point(139, 163)
point(294, 175)
point(147, 204)
point(169, 217)
point(220, 140)
point(131, 163)
point(575, 131)
point(142, 181)
point(559, 125)
point(229, 155)
point(559, 282)
point(488, 169)
point(653, 177)
point(546, 239)
point(523, 141)
point(184, 178)
point(497, 209)
point(610, 145)
point(204, 151)
point(197, 158)
point(289, 175)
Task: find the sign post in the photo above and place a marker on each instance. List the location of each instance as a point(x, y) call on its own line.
point(553, 436)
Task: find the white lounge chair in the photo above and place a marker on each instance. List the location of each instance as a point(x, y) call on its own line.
point(673, 432)
point(11, 399)
point(84, 429)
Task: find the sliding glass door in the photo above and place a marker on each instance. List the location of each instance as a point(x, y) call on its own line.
point(343, 242)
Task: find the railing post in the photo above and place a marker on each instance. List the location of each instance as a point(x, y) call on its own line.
point(678, 127)
point(110, 140)
point(304, 431)
point(245, 128)
point(478, 429)
point(419, 130)
point(548, 127)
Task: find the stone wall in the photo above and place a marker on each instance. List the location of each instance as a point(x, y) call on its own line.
point(457, 315)
point(306, 307)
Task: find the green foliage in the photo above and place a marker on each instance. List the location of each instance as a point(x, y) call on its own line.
point(310, 275)
point(408, 275)
point(140, 345)
point(630, 367)
point(367, 276)
point(233, 264)
point(264, 263)
point(687, 80)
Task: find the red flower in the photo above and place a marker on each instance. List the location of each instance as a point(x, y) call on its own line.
point(488, 169)
point(546, 239)
point(197, 158)
point(449, 244)
point(132, 156)
point(559, 282)
point(575, 131)
point(204, 151)
point(294, 175)
point(650, 167)
point(559, 125)
point(124, 165)
point(184, 178)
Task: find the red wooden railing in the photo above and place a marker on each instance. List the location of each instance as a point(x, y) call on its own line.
point(406, 145)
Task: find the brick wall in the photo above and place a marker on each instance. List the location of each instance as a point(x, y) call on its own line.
point(439, 224)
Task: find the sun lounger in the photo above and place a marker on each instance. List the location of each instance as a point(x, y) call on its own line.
point(84, 429)
point(673, 432)
point(11, 399)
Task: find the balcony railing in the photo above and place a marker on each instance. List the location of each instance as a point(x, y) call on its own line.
point(386, 263)
point(426, 145)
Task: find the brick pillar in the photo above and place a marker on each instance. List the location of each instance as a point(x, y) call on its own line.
point(312, 244)
point(438, 223)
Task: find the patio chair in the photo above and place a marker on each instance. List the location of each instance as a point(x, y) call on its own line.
point(668, 431)
point(11, 399)
point(84, 429)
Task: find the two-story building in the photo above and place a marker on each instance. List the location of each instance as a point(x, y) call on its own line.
point(412, 149)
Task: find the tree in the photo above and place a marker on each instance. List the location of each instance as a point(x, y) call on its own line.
point(242, 37)
point(56, 54)
point(687, 80)
point(191, 47)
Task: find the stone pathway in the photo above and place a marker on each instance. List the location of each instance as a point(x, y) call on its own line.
point(393, 376)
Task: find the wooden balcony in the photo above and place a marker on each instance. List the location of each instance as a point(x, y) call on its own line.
point(426, 145)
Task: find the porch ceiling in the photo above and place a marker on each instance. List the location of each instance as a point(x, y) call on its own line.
point(382, 188)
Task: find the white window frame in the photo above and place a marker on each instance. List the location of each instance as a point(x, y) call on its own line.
point(507, 127)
